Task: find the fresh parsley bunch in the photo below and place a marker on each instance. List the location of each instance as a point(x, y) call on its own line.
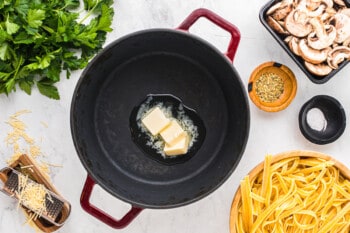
point(40, 38)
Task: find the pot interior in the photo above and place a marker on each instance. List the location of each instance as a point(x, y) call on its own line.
point(158, 61)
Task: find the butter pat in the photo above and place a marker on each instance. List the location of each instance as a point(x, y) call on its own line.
point(155, 121)
point(172, 133)
point(175, 137)
point(179, 148)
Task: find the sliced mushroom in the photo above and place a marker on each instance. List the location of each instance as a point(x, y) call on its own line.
point(312, 4)
point(346, 42)
point(318, 69)
point(313, 8)
point(288, 38)
point(342, 25)
point(278, 6)
point(331, 11)
point(337, 56)
point(329, 3)
point(315, 13)
point(327, 16)
point(294, 45)
point(277, 27)
point(282, 12)
point(323, 36)
point(297, 23)
point(312, 55)
point(273, 8)
point(339, 2)
point(316, 30)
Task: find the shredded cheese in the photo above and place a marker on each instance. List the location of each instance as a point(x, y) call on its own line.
point(302, 194)
point(30, 222)
point(22, 143)
point(31, 195)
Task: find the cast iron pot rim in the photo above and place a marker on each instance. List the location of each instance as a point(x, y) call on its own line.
point(74, 135)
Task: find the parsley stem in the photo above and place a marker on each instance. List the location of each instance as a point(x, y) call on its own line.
point(18, 66)
point(89, 12)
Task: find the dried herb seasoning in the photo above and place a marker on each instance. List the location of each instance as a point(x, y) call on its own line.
point(269, 87)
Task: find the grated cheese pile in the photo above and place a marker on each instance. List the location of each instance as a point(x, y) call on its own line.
point(32, 195)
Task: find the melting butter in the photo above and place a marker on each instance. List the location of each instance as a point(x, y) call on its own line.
point(155, 141)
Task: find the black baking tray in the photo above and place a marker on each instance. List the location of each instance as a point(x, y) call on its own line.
point(300, 62)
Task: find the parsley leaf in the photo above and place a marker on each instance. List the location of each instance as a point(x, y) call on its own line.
point(47, 88)
point(26, 86)
point(39, 39)
point(5, 51)
point(11, 28)
point(35, 17)
point(105, 20)
point(72, 3)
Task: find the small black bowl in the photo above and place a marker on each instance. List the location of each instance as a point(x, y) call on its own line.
point(334, 116)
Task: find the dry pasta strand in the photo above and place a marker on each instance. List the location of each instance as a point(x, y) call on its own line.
point(246, 204)
point(266, 181)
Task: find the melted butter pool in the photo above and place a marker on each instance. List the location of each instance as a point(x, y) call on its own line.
point(173, 108)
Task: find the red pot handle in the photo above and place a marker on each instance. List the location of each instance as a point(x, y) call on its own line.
point(100, 214)
point(222, 23)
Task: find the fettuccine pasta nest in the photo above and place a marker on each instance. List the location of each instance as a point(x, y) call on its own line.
point(299, 191)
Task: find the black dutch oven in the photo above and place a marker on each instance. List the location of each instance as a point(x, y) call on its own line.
point(158, 61)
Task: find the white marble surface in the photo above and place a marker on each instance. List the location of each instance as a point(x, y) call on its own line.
point(269, 132)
